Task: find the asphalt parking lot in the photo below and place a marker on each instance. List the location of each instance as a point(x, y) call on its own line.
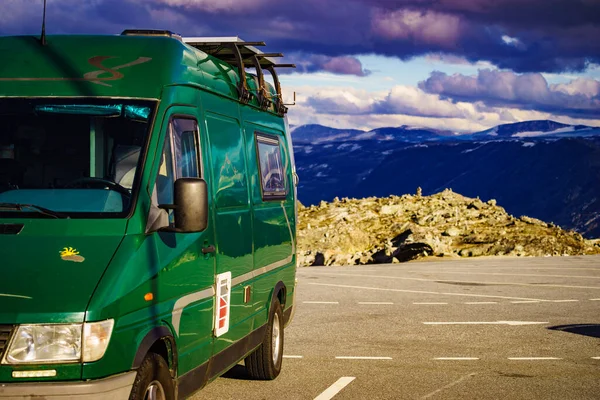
point(510, 328)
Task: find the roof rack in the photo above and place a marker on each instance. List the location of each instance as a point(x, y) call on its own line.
point(242, 54)
point(150, 32)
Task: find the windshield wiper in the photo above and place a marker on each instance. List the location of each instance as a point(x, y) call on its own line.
point(41, 210)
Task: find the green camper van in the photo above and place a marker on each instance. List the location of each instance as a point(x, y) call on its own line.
point(147, 215)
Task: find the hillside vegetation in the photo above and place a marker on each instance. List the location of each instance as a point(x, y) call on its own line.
point(446, 224)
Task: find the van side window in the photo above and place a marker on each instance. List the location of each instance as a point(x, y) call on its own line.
point(185, 134)
point(179, 157)
point(272, 174)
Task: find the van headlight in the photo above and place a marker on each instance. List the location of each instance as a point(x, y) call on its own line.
point(59, 343)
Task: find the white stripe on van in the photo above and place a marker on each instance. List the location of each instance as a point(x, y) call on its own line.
point(210, 292)
point(260, 271)
point(186, 301)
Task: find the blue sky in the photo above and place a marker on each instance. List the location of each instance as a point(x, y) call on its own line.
point(458, 65)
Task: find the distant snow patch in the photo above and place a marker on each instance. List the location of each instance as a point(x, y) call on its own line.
point(591, 220)
point(492, 132)
point(332, 138)
point(366, 135)
point(473, 149)
point(540, 133)
point(352, 146)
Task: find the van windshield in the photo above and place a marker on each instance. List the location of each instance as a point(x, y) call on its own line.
point(77, 158)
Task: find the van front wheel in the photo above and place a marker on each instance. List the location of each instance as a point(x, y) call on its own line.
point(265, 362)
point(153, 380)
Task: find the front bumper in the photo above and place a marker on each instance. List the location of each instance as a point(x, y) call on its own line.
point(115, 388)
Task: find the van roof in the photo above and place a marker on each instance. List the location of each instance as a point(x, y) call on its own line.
point(124, 66)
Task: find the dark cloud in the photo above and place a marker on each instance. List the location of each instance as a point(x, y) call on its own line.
point(530, 91)
point(521, 35)
point(343, 65)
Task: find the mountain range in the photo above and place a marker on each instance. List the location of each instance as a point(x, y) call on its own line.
point(543, 169)
point(316, 134)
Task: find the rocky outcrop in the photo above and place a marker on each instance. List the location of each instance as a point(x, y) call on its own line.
point(446, 224)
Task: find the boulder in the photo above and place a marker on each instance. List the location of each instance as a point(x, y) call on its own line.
point(319, 260)
point(412, 251)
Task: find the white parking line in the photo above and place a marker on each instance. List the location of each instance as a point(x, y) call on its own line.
point(505, 274)
point(460, 281)
point(455, 358)
point(594, 299)
point(285, 356)
point(335, 388)
point(595, 358)
point(525, 301)
point(533, 358)
point(321, 302)
point(511, 323)
point(448, 386)
point(429, 304)
point(487, 296)
point(481, 302)
point(362, 358)
point(375, 302)
point(468, 269)
point(564, 301)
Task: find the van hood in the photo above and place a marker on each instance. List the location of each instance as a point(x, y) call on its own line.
point(50, 269)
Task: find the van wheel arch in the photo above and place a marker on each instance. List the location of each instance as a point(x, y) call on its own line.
point(158, 340)
point(279, 293)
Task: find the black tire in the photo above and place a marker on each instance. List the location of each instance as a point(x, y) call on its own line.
point(265, 362)
point(153, 376)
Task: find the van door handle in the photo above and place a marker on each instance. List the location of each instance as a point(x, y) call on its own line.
point(209, 249)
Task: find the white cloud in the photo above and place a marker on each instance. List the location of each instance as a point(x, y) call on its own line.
point(508, 89)
point(351, 108)
point(512, 41)
point(410, 100)
point(587, 87)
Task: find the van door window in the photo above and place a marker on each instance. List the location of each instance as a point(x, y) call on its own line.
point(271, 167)
point(179, 158)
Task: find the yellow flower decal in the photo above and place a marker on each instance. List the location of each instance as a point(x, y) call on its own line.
point(68, 251)
point(71, 254)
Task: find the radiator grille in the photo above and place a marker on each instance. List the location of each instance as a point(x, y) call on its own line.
point(5, 331)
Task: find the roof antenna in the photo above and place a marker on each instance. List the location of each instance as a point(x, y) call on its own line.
point(43, 38)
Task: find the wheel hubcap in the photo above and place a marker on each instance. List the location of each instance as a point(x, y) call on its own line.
point(155, 391)
point(276, 345)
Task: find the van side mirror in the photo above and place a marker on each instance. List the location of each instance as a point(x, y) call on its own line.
point(191, 205)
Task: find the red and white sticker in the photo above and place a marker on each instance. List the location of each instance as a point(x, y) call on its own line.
point(223, 300)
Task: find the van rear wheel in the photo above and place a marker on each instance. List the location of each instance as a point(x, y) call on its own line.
point(153, 380)
point(265, 362)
